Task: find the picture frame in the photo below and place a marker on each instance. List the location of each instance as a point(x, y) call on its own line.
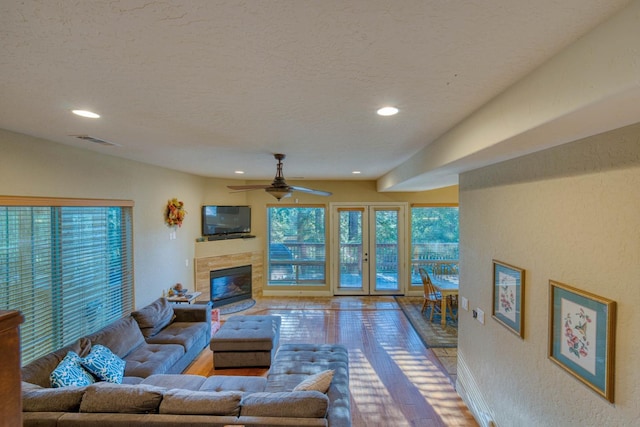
point(582, 336)
point(508, 296)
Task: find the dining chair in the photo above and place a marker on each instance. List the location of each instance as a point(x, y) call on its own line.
point(432, 297)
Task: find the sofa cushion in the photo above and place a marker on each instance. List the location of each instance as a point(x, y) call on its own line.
point(29, 386)
point(121, 398)
point(39, 370)
point(297, 404)
point(185, 382)
point(201, 402)
point(319, 382)
point(121, 337)
point(285, 376)
point(104, 365)
point(70, 373)
point(184, 333)
point(66, 399)
point(132, 380)
point(154, 317)
point(245, 384)
point(149, 359)
point(313, 353)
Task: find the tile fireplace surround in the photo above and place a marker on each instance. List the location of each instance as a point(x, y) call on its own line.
point(218, 254)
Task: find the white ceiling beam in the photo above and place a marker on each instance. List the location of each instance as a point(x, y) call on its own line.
point(591, 87)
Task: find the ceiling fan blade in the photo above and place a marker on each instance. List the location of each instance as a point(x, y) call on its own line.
point(248, 187)
point(279, 187)
point(310, 191)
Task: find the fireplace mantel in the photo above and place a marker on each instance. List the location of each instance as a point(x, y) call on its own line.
point(217, 254)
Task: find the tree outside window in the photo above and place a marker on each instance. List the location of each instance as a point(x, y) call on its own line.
point(297, 249)
point(434, 241)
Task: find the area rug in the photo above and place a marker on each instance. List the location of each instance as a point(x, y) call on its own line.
point(433, 335)
point(235, 307)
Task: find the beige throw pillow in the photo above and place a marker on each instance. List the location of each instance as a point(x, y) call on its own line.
point(318, 382)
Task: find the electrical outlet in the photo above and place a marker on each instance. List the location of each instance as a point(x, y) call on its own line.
point(186, 262)
point(464, 303)
point(479, 315)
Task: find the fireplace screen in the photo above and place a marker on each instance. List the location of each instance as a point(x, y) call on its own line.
point(230, 285)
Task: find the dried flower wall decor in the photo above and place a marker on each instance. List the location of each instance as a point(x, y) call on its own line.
point(175, 213)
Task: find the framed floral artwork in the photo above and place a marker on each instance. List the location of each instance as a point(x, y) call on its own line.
point(582, 336)
point(508, 296)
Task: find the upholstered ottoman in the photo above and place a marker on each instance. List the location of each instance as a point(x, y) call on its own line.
point(245, 341)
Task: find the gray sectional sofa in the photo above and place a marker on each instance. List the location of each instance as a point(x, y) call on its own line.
point(161, 338)
point(154, 393)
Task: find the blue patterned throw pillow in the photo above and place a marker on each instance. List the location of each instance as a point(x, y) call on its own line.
point(70, 373)
point(105, 365)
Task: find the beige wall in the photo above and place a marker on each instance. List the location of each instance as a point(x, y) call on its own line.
point(36, 167)
point(570, 214)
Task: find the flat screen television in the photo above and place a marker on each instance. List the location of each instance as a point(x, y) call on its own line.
point(222, 220)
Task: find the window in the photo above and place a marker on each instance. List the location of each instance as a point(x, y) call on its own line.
point(67, 269)
point(434, 241)
point(297, 251)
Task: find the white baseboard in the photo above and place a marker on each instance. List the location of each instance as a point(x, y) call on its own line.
point(471, 394)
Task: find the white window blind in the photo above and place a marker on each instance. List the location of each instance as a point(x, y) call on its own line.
point(67, 269)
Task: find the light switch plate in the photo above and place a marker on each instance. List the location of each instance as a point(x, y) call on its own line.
point(464, 303)
point(480, 315)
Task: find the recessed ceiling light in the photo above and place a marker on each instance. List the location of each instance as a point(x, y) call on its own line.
point(356, 172)
point(387, 111)
point(85, 113)
point(239, 172)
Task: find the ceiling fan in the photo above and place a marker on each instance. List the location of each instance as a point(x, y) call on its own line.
point(279, 187)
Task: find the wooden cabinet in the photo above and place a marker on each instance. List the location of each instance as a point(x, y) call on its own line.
point(10, 390)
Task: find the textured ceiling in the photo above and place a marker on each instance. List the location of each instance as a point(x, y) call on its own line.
point(210, 87)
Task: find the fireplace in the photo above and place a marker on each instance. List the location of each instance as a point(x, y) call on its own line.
point(230, 285)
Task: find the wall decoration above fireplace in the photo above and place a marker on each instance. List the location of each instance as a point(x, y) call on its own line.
point(229, 285)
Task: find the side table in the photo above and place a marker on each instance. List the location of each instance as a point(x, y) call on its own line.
point(187, 298)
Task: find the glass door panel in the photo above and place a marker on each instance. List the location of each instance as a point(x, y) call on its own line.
point(367, 250)
point(352, 258)
point(387, 261)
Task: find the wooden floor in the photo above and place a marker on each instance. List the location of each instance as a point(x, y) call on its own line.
point(394, 379)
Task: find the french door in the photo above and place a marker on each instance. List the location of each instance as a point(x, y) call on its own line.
point(368, 249)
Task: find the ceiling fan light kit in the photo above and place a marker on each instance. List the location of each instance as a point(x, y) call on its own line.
point(279, 187)
point(279, 193)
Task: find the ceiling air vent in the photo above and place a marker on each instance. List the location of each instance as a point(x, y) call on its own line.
point(95, 140)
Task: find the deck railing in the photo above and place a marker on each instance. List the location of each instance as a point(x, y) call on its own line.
point(304, 263)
